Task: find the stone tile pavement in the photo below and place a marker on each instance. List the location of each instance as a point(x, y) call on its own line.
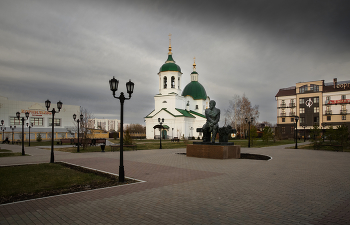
point(295, 187)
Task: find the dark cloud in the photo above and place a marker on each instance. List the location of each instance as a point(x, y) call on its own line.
point(68, 50)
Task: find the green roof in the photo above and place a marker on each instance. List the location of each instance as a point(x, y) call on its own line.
point(170, 65)
point(195, 90)
point(185, 113)
point(197, 114)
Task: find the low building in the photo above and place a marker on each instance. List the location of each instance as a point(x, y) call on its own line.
point(314, 103)
point(39, 117)
point(104, 124)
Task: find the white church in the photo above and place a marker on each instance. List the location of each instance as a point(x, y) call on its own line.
point(183, 111)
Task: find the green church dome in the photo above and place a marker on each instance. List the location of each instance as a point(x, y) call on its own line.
point(170, 65)
point(195, 90)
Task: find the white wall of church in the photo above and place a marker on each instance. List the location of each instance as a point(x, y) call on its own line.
point(176, 88)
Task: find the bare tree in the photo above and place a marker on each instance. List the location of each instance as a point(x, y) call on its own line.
point(239, 109)
point(84, 126)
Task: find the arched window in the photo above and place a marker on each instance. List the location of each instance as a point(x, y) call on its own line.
point(172, 82)
point(165, 82)
point(178, 83)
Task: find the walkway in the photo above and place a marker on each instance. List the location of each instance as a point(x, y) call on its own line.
point(295, 187)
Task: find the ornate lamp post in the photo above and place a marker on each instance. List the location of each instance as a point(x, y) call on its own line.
point(53, 111)
point(113, 83)
point(78, 121)
point(3, 129)
point(29, 126)
point(12, 128)
point(161, 121)
point(296, 131)
point(251, 120)
point(18, 115)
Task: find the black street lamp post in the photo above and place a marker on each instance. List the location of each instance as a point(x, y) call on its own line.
point(250, 121)
point(29, 126)
point(3, 130)
point(12, 128)
point(78, 121)
point(161, 121)
point(18, 115)
point(296, 132)
point(113, 83)
point(53, 111)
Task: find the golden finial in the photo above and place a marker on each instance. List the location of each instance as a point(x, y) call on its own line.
point(169, 43)
point(194, 64)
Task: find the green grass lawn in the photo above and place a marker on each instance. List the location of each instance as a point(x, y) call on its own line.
point(9, 153)
point(31, 181)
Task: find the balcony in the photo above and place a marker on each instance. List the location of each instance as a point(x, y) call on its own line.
point(283, 114)
point(343, 111)
point(283, 105)
point(291, 105)
point(292, 114)
point(328, 112)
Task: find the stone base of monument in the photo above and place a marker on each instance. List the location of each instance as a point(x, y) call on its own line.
point(213, 151)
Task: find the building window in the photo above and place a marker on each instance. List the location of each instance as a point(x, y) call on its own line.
point(301, 101)
point(57, 122)
point(283, 104)
point(164, 101)
point(329, 118)
point(343, 117)
point(15, 121)
point(302, 120)
point(283, 130)
point(196, 106)
point(343, 110)
point(165, 82)
point(37, 121)
point(301, 110)
point(178, 83)
point(303, 89)
point(316, 109)
point(316, 100)
point(343, 97)
point(314, 87)
point(292, 119)
point(283, 113)
point(172, 82)
point(316, 120)
point(292, 129)
point(283, 120)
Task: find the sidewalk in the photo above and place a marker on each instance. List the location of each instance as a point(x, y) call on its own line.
point(295, 187)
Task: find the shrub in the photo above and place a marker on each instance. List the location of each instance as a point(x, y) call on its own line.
point(38, 138)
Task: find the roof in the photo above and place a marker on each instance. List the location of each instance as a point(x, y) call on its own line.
point(170, 65)
point(286, 92)
point(195, 90)
point(183, 113)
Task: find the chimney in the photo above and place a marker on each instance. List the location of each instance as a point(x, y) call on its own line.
point(335, 82)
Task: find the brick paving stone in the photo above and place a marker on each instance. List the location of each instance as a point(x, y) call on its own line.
point(295, 187)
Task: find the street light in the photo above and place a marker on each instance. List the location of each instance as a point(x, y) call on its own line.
point(78, 121)
point(251, 120)
point(296, 131)
point(3, 130)
point(29, 126)
point(18, 115)
point(53, 111)
point(113, 83)
point(14, 127)
point(161, 121)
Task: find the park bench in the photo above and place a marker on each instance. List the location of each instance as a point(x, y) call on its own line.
point(117, 147)
point(175, 139)
point(69, 141)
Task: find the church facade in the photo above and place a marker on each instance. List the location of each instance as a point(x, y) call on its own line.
point(182, 110)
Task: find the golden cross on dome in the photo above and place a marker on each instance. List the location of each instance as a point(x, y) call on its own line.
point(169, 43)
point(194, 64)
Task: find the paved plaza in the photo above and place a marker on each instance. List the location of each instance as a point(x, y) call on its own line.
point(295, 187)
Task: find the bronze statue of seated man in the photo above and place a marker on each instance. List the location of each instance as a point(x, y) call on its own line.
point(212, 125)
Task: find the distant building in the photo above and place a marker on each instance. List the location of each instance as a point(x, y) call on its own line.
point(104, 124)
point(183, 111)
point(39, 117)
point(315, 103)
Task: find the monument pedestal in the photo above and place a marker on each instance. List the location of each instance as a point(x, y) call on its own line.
point(214, 151)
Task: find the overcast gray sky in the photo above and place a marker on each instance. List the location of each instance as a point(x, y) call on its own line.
point(69, 50)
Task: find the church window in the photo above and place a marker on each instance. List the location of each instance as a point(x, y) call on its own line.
point(172, 82)
point(196, 106)
point(164, 102)
point(178, 83)
point(165, 82)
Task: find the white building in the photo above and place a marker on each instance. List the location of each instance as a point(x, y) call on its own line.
point(183, 111)
point(38, 116)
point(104, 124)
